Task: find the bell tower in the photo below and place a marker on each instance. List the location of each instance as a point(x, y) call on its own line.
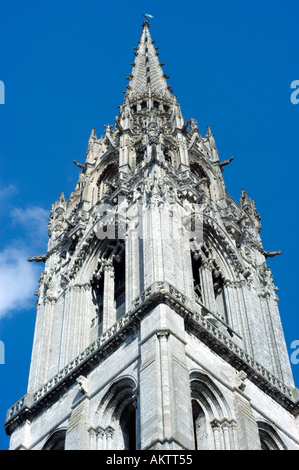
point(157, 321)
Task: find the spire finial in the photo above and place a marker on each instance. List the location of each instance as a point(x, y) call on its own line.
point(147, 16)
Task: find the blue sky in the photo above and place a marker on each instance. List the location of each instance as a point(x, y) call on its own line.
point(64, 65)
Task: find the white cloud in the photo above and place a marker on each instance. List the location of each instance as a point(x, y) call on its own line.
point(18, 280)
point(18, 277)
point(34, 220)
point(8, 191)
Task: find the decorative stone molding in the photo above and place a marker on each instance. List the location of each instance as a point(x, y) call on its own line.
point(194, 321)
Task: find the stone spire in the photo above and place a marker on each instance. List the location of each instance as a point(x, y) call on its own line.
point(147, 79)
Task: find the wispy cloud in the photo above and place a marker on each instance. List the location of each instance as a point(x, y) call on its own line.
point(18, 278)
point(8, 191)
point(34, 222)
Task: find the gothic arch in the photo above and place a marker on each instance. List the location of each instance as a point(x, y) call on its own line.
point(213, 424)
point(56, 441)
point(116, 416)
point(201, 174)
point(220, 270)
point(269, 437)
point(108, 173)
point(171, 155)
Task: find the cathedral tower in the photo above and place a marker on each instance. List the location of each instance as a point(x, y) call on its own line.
point(157, 319)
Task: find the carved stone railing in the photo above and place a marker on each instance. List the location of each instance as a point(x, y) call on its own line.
point(25, 401)
point(219, 340)
point(258, 372)
point(30, 400)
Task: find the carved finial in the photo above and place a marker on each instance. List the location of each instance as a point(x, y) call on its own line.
point(209, 131)
point(108, 128)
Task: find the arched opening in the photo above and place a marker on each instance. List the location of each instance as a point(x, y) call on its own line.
point(128, 427)
point(269, 438)
point(199, 426)
point(218, 287)
point(56, 441)
point(105, 181)
point(97, 289)
point(201, 175)
point(212, 421)
point(120, 287)
point(117, 415)
point(197, 283)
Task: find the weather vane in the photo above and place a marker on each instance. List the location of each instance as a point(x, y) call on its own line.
point(147, 16)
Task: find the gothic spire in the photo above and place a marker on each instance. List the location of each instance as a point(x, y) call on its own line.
point(147, 78)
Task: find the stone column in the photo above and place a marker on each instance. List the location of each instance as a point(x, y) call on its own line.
point(217, 434)
point(132, 268)
point(225, 425)
point(109, 436)
point(101, 439)
point(109, 312)
point(165, 383)
point(165, 400)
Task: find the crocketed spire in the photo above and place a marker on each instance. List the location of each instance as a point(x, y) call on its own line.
point(147, 77)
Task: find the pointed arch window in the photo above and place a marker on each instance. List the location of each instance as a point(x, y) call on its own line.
point(200, 174)
point(212, 423)
point(199, 426)
point(56, 441)
point(117, 413)
point(106, 179)
point(218, 287)
point(120, 287)
point(97, 289)
point(128, 427)
point(269, 437)
point(197, 283)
